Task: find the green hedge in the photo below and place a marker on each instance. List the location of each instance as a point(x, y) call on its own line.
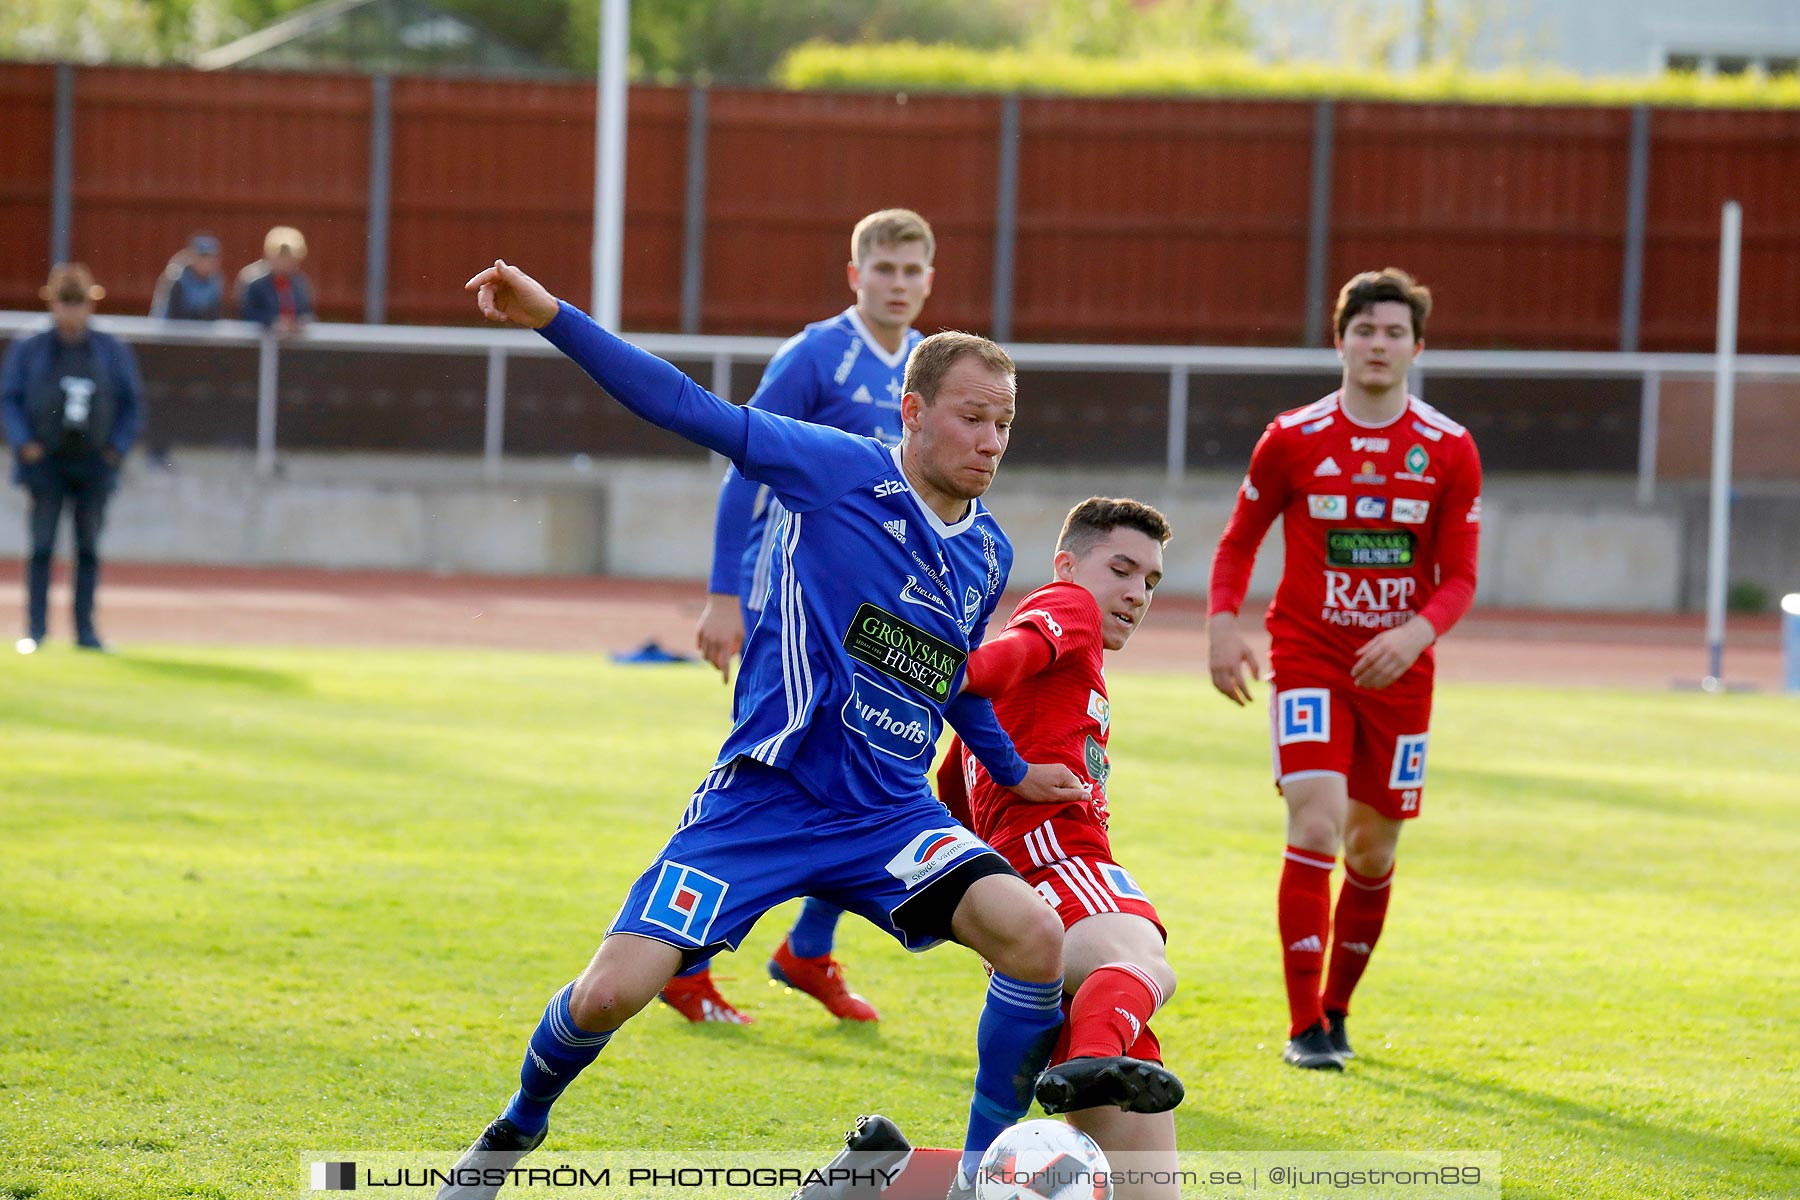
point(909, 66)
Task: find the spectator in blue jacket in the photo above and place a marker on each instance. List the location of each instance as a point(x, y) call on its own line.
point(273, 291)
point(192, 286)
point(71, 404)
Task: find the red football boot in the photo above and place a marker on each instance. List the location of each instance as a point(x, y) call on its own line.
point(822, 979)
point(695, 997)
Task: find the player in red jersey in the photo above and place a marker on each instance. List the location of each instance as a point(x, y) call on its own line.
point(1380, 500)
point(1044, 675)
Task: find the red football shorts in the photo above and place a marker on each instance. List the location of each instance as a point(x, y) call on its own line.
point(1375, 739)
point(1070, 864)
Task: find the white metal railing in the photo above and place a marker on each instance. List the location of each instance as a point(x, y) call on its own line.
point(498, 344)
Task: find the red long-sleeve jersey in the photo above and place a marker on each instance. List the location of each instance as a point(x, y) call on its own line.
point(1061, 715)
point(1379, 523)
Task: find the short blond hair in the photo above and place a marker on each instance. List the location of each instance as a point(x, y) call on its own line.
point(284, 238)
point(890, 227)
point(932, 359)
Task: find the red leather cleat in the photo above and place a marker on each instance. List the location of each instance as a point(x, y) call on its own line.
point(822, 979)
point(695, 997)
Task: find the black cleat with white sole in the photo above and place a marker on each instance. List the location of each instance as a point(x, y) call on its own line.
point(1132, 1084)
point(499, 1148)
point(874, 1154)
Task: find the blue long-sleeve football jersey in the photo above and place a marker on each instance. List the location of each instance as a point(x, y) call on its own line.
point(873, 601)
point(831, 373)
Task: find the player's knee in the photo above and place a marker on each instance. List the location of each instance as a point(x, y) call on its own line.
point(598, 1004)
point(1022, 940)
point(1312, 829)
point(1371, 861)
point(1038, 944)
point(1165, 978)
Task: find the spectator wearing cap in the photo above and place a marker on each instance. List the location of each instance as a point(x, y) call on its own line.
point(273, 291)
point(192, 286)
point(71, 405)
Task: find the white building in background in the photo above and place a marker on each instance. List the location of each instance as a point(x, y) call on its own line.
point(1587, 37)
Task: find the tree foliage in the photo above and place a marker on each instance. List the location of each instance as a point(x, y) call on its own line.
point(726, 41)
point(106, 30)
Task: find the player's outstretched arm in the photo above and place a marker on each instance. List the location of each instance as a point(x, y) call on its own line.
point(1228, 655)
point(504, 293)
point(973, 719)
point(653, 389)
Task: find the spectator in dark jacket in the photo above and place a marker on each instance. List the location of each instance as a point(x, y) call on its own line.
point(273, 291)
point(71, 405)
point(192, 286)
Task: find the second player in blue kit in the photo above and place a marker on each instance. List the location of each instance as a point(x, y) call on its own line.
point(846, 372)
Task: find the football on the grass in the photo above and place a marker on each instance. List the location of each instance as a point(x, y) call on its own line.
point(1043, 1160)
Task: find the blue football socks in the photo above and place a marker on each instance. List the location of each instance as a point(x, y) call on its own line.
point(557, 1052)
point(815, 930)
point(1013, 1041)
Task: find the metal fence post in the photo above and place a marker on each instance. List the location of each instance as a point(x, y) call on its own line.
point(1178, 425)
point(1318, 225)
point(693, 229)
point(494, 415)
point(268, 368)
point(1637, 194)
point(1649, 414)
point(721, 376)
point(721, 387)
point(1006, 218)
point(381, 162)
point(62, 165)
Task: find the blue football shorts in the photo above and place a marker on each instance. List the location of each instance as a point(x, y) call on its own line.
point(752, 838)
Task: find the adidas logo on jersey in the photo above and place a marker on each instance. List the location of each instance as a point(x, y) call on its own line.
point(897, 527)
point(1309, 945)
point(1328, 467)
point(861, 395)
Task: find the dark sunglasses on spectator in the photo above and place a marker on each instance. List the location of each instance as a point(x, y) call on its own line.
point(72, 297)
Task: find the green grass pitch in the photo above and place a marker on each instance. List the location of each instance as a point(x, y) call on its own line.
point(258, 901)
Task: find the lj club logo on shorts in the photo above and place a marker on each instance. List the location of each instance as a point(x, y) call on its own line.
point(1409, 762)
point(1304, 715)
point(685, 901)
point(1120, 881)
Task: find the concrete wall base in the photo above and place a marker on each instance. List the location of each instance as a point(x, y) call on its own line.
point(1551, 543)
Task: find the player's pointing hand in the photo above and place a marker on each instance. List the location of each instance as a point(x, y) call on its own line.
point(1051, 783)
point(505, 293)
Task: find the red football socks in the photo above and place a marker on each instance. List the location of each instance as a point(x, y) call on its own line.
point(1110, 1010)
point(1303, 908)
point(1361, 910)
